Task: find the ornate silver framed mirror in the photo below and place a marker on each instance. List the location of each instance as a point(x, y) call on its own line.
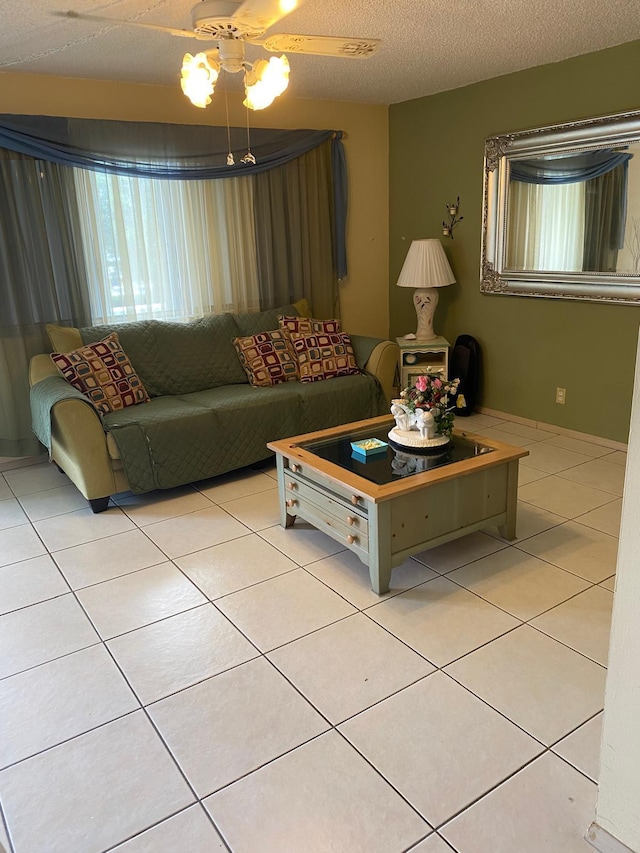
point(561, 211)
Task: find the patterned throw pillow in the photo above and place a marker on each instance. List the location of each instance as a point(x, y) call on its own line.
point(308, 326)
point(324, 356)
point(267, 358)
point(104, 374)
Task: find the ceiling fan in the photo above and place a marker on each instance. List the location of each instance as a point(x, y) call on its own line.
point(231, 23)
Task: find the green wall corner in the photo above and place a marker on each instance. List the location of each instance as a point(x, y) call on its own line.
point(529, 345)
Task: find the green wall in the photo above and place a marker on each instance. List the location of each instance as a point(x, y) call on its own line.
point(529, 345)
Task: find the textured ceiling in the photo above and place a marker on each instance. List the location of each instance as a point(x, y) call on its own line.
point(427, 45)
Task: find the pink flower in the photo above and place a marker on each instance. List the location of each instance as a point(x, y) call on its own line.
point(421, 383)
point(437, 383)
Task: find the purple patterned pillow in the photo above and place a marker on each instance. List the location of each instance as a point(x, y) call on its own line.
point(267, 358)
point(104, 374)
point(324, 356)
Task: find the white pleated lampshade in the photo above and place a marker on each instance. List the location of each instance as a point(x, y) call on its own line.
point(426, 265)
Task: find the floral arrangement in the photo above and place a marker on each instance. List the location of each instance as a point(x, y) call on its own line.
point(437, 395)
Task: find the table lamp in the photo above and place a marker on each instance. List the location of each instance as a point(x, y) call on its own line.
point(425, 268)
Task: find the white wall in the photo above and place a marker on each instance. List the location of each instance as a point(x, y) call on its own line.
point(618, 808)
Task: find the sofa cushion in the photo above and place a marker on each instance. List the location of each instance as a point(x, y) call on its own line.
point(324, 355)
point(343, 400)
point(179, 358)
point(63, 338)
point(165, 443)
point(247, 418)
point(308, 326)
point(180, 439)
point(267, 358)
point(103, 372)
point(302, 307)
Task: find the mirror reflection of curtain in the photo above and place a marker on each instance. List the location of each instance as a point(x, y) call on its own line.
point(604, 215)
point(600, 219)
point(546, 226)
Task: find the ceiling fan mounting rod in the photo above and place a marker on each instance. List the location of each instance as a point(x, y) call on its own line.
point(230, 54)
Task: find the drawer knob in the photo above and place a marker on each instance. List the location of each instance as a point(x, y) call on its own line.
point(351, 520)
point(351, 539)
point(292, 486)
point(291, 502)
point(354, 500)
point(295, 468)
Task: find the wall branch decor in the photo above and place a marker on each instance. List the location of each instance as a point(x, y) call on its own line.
point(454, 219)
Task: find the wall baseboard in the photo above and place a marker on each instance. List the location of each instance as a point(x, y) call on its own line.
point(604, 841)
point(571, 433)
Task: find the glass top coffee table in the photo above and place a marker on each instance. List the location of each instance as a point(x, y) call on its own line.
point(392, 505)
point(395, 462)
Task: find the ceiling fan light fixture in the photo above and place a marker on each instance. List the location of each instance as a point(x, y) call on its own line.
point(198, 78)
point(265, 82)
point(231, 24)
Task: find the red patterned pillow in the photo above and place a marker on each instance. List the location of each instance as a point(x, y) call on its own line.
point(324, 356)
point(308, 326)
point(103, 372)
point(267, 358)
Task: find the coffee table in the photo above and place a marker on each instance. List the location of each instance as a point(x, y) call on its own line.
point(397, 504)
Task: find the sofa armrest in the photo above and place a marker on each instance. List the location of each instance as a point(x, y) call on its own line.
point(79, 447)
point(383, 364)
point(78, 443)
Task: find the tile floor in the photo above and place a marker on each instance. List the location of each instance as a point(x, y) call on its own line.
point(179, 673)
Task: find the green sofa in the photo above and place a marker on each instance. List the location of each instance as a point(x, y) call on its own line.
point(204, 419)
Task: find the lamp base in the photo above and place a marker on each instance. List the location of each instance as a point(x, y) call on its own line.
point(425, 300)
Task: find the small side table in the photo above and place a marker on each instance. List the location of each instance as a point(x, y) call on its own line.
point(423, 357)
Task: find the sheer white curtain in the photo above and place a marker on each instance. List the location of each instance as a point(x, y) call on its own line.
point(168, 250)
point(546, 226)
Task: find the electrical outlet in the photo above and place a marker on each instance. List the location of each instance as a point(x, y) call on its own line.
point(561, 396)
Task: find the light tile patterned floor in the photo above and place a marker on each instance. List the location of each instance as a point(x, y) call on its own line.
point(179, 673)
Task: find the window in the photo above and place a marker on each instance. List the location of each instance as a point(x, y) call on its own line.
point(166, 249)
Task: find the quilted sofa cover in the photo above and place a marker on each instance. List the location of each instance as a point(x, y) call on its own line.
point(179, 439)
point(204, 418)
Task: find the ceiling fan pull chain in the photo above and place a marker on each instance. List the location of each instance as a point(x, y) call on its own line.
point(248, 157)
point(230, 160)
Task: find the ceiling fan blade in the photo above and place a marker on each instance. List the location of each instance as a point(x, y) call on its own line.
point(259, 15)
point(115, 22)
point(352, 48)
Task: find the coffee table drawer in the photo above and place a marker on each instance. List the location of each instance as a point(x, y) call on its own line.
point(353, 538)
point(303, 473)
point(298, 494)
